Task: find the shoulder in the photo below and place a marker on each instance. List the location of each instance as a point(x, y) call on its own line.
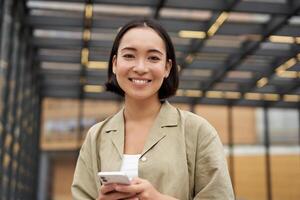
point(194, 121)
point(196, 127)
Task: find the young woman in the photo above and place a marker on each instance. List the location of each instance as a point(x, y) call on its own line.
point(169, 153)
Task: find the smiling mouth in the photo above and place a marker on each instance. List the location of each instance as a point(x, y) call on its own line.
point(139, 81)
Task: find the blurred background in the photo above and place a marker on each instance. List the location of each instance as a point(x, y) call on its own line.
point(239, 63)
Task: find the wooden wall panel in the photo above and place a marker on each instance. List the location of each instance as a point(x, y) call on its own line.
point(250, 182)
point(244, 125)
point(286, 177)
point(62, 171)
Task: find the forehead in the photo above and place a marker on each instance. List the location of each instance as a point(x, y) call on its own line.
point(142, 37)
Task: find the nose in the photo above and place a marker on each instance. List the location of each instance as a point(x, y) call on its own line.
point(140, 67)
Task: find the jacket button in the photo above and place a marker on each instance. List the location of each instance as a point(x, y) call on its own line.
point(143, 159)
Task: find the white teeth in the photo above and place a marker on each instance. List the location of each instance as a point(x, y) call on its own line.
point(139, 81)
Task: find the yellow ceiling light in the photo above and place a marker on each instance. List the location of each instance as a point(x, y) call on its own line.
point(84, 56)
point(297, 39)
point(214, 28)
point(97, 65)
point(288, 74)
point(180, 92)
point(88, 11)
point(193, 93)
point(271, 97)
point(280, 70)
point(253, 96)
point(215, 94)
point(232, 95)
point(282, 39)
point(192, 34)
point(291, 62)
point(262, 82)
point(82, 80)
point(86, 35)
point(291, 98)
point(288, 64)
point(93, 88)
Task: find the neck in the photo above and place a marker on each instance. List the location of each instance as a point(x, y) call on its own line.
point(138, 110)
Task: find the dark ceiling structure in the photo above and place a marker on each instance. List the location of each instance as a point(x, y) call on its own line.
point(229, 52)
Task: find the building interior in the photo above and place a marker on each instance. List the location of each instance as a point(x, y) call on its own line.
point(239, 67)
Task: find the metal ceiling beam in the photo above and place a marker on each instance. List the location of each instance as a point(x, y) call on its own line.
point(172, 25)
point(159, 6)
point(213, 5)
point(243, 6)
point(195, 45)
point(52, 21)
point(69, 93)
point(274, 25)
point(63, 43)
point(271, 72)
point(55, 80)
point(53, 58)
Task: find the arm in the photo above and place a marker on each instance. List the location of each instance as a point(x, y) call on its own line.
point(212, 180)
point(84, 186)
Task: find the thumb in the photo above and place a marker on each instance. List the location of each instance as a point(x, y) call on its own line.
point(136, 180)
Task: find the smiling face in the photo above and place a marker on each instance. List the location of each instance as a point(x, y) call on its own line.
point(141, 63)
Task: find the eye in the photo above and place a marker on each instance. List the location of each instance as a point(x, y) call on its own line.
point(128, 56)
point(154, 58)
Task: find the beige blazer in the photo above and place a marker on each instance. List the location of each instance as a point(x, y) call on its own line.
point(183, 157)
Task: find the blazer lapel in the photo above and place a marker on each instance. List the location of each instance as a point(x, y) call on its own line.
point(118, 141)
point(116, 131)
point(167, 117)
point(156, 134)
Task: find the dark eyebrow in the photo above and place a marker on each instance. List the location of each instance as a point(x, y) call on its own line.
point(128, 48)
point(150, 50)
point(155, 51)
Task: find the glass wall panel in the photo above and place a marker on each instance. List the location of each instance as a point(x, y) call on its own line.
point(60, 124)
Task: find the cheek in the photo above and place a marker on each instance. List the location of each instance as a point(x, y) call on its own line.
point(121, 68)
point(159, 72)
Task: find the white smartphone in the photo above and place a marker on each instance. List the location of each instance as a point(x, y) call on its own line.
point(114, 177)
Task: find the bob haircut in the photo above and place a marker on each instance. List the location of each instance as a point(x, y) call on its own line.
point(170, 84)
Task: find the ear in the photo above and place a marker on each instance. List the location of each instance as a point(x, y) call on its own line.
point(114, 64)
point(168, 68)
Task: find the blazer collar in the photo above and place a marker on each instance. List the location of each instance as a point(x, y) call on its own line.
point(167, 117)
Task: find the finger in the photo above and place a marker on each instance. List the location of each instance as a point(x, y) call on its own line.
point(119, 195)
point(134, 188)
point(107, 188)
point(136, 180)
point(132, 198)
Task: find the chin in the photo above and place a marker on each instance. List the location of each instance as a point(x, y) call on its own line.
point(141, 97)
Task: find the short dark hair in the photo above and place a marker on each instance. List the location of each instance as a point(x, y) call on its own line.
point(170, 84)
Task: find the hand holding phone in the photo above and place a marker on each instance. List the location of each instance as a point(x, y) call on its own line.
point(113, 177)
